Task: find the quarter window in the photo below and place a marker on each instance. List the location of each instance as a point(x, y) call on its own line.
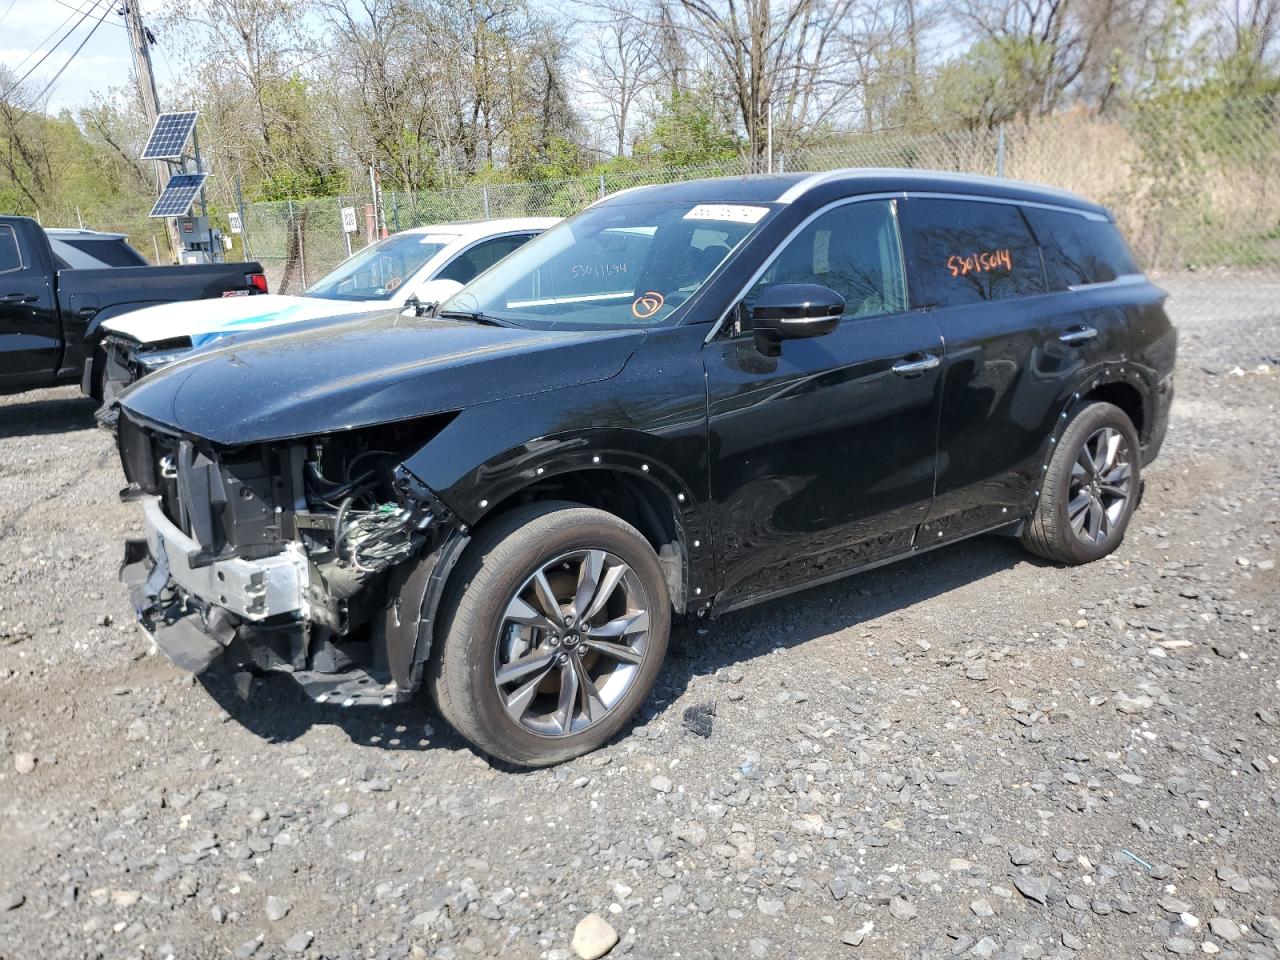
point(854, 250)
point(969, 251)
point(10, 256)
point(1078, 250)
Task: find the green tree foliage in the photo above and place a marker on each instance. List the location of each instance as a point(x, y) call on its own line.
point(292, 167)
point(54, 169)
point(687, 132)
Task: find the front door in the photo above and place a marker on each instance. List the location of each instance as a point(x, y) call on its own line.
point(30, 339)
point(822, 458)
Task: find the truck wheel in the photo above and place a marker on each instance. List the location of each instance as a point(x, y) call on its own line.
point(554, 628)
point(1090, 489)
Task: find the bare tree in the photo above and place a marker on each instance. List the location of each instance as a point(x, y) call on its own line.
point(1251, 30)
point(796, 59)
point(621, 66)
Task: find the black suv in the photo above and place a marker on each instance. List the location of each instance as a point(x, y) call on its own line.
point(686, 399)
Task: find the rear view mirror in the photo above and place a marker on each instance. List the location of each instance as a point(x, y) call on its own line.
point(787, 311)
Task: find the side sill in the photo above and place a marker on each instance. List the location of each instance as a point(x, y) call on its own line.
point(915, 551)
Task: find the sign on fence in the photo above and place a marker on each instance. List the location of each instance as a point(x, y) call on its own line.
point(348, 219)
point(233, 219)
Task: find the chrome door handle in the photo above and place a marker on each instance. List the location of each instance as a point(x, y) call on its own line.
point(1078, 335)
point(906, 368)
point(20, 298)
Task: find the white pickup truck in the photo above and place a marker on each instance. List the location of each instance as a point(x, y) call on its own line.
point(410, 270)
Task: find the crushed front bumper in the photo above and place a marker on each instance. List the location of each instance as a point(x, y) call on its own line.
point(252, 589)
point(198, 608)
point(192, 605)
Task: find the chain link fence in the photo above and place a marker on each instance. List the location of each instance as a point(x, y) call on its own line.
point(1194, 186)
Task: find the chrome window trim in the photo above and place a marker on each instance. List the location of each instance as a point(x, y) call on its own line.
point(895, 195)
point(797, 190)
point(1009, 201)
point(1123, 280)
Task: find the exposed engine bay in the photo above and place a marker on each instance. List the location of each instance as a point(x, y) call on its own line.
point(302, 552)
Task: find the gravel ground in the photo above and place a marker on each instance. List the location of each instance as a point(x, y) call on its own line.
point(968, 754)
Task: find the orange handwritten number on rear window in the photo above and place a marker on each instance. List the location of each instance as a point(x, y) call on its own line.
point(983, 262)
point(647, 304)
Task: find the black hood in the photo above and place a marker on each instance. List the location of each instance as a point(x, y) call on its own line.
point(374, 370)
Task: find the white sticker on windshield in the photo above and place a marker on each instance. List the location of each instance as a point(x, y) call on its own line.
point(731, 212)
point(440, 238)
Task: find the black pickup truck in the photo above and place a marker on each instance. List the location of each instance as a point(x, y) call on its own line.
point(51, 305)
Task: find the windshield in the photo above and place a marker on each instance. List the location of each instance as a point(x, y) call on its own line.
point(627, 264)
point(379, 270)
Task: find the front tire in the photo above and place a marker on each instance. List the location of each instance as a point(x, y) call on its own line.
point(554, 630)
point(1090, 488)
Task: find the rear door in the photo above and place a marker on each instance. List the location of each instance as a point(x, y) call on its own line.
point(1014, 347)
point(30, 335)
point(822, 458)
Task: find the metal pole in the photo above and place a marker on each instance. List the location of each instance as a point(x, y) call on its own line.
point(768, 137)
point(214, 255)
point(1000, 151)
point(140, 50)
point(602, 186)
point(485, 193)
point(244, 223)
point(302, 255)
point(373, 194)
point(345, 236)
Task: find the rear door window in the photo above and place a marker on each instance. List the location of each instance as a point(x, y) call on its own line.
point(969, 251)
point(10, 255)
point(1078, 250)
point(852, 249)
point(474, 261)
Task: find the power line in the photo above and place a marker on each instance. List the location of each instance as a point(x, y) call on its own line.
point(36, 66)
point(48, 86)
point(36, 49)
point(10, 7)
point(72, 6)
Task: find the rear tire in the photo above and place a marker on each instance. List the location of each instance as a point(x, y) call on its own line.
point(553, 631)
point(1090, 488)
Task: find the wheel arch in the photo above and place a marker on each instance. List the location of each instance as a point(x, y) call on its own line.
point(628, 491)
point(618, 485)
point(1124, 394)
point(1125, 385)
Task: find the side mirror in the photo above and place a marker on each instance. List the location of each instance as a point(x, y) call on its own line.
point(426, 299)
point(788, 311)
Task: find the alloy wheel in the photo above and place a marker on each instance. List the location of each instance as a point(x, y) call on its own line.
point(1101, 485)
point(571, 642)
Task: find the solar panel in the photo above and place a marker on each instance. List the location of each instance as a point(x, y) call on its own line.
point(178, 195)
point(169, 136)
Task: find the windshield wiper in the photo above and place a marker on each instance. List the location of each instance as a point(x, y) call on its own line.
point(475, 317)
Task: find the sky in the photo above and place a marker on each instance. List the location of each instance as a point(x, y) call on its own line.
point(29, 27)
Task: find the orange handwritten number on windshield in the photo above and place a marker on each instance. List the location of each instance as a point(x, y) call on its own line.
point(647, 304)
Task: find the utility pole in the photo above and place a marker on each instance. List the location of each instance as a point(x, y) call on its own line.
point(141, 51)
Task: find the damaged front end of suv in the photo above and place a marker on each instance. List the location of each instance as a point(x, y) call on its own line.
point(306, 497)
point(319, 556)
